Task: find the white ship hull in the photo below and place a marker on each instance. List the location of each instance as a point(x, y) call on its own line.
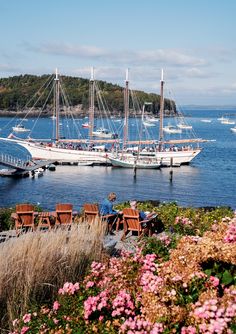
point(43, 152)
point(168, 158)
point(177, 158)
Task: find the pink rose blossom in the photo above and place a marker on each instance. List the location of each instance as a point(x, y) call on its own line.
point(56, 306)
point(26, 318)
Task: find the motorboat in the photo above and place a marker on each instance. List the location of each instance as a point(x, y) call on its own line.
point(222, 118)
point(184, 126)
point(151, 119)
point(206, 120)
point(228, 121)
point(171, 129)
point(104, 133)
point(86, 125)
point(20, 128)
point(37, 172)
point(148, 123)
point(233, 129)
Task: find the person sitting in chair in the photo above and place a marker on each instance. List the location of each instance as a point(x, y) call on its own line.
point(143, 216)
point(106, 209)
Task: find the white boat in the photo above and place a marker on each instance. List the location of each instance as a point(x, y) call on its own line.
point(20, 128)
point(228, 121)
point(86, 125)
point(174, 152)
point(37, 173)
point(233, 129)
point(184, 126)
point(134, 162)
point(104, 133)
point(206, 120)
point(151, 119)
point(171, 129)
point(222, 118)
point(148, 123)
point(59, 149)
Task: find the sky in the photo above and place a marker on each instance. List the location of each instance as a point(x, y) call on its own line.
point(193, 41)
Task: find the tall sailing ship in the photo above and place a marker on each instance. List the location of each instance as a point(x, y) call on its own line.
point(171, 152)
point(69, 150)
point(92, 149)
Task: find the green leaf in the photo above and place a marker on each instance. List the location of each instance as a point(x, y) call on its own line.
point(227, 278)
point(208, 272)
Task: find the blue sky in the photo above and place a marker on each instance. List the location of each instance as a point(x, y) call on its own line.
point(194, 41)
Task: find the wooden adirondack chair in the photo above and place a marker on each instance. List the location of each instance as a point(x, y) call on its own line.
point(90, 212)
point(24, 218)
point(64, 214)
point(132, 223)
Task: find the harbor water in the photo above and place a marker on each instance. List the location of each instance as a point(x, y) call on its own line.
point(210, 179)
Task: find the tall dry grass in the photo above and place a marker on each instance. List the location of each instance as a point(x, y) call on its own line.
point(35, 265)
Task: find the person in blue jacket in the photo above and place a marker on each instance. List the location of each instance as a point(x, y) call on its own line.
point(106, 208)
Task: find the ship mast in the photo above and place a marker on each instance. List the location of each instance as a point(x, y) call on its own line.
point(91, 104)
point(126, 107)
point(56, 105)
point(161, 110)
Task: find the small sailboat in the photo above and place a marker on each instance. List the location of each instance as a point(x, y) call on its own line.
point(136, 162)
point(20, 128)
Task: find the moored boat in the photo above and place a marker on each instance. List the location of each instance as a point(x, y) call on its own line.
point(184, 126)
point(171, 129)
point(20, 128)
point(104, 133)
point(135, 162)
point(228, 121)
point(61, 149)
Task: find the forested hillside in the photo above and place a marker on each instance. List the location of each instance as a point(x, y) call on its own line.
point(17, 91)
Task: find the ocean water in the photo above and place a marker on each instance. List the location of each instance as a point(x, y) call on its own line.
point(210, 179)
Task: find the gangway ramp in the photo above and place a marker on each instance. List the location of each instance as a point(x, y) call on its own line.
point(19, 166)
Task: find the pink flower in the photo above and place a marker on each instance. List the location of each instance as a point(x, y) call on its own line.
point(56, 306)
point(90, 284)
point(26, 318)
point(214, 280)
point(24, 330)
point(69, 288)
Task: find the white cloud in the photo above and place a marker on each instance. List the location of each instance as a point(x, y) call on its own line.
point(147, 58)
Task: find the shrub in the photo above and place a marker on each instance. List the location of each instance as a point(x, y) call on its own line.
point(36, 264)
point(5, 219)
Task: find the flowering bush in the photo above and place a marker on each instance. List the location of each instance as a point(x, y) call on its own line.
point(184, 292)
